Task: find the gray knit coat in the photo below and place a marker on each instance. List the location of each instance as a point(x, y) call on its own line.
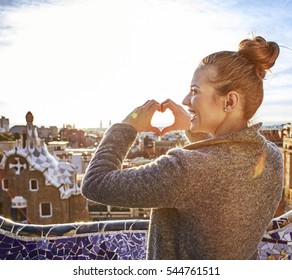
point(212, 199)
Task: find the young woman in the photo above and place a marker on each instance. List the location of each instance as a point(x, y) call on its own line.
point(214, 198)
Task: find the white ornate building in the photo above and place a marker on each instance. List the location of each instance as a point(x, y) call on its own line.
point(46, 187)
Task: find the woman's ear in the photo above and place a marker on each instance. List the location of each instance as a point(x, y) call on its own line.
point(232, 100)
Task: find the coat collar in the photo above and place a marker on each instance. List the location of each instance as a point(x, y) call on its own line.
point(250, 134)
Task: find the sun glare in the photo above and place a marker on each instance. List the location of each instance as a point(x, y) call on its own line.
point(85, 61)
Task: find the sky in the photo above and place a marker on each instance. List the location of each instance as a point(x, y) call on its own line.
point(82, 61)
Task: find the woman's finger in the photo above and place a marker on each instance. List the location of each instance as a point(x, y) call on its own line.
point(146, 102)
point(171, 105)
point(167, 129)
point(165, 105)
point(154, 106)
point(155, 130)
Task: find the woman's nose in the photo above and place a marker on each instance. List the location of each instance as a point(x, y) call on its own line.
point(186, 100)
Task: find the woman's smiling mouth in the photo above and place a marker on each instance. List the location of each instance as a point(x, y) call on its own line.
point(193, 115)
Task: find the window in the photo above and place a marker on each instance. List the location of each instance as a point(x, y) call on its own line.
point(19, 215)
point(18, 209)
point(45, 209)
point(5, 184)
point(33, 185)
point(1, 208)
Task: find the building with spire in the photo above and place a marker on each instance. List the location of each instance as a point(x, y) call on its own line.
point(36, 186)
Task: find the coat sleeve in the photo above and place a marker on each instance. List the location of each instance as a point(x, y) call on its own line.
point(157, 184)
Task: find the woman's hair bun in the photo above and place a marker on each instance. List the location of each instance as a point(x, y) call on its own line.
point(260, 52)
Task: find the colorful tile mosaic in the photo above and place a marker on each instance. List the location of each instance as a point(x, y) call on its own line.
point(118, 240)
point(277, 241)
point(111, 240)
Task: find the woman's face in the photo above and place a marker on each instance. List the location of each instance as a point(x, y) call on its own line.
point(204, 105)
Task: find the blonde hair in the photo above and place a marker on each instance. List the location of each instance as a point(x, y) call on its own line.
point(244, 71)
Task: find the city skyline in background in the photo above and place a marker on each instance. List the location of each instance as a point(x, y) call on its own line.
point(79, 62)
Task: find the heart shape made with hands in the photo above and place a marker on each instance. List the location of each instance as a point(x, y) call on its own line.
point(162, 120)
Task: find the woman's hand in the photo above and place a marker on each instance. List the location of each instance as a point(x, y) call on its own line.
point(182, 119)
point(141, 117)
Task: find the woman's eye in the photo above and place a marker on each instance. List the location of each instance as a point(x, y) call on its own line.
point(194, 92)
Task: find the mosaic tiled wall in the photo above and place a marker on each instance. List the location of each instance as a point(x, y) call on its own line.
point(112, 240)
point(119, 240)
point(277, 242)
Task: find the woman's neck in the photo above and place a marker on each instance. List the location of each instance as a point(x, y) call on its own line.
point(231, 125)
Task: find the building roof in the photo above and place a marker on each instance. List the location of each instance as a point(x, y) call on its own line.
point(61, 175)
point(17, 129)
